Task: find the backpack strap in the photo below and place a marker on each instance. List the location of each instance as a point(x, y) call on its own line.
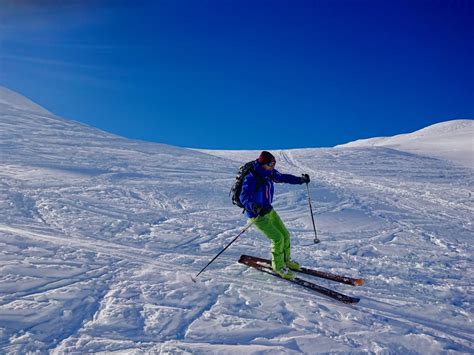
point(259, 181)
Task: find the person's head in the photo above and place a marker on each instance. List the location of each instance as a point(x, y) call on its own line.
point(267, 160)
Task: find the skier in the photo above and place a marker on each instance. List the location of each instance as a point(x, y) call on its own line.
point(257, 198)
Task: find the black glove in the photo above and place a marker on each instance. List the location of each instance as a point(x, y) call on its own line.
point(305, 179)
point(260, 210)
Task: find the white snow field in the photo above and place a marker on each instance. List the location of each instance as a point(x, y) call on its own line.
point(100, 236)
point(453, 140)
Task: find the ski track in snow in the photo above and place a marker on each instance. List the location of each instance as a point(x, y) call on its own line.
point(100, 236)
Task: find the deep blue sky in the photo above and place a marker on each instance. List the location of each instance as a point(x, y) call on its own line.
point(236, 74)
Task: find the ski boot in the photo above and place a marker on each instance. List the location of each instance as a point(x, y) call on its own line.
point(293, 265)
point(285, 273)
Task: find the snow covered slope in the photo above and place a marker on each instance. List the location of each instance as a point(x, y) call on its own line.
point(13, 101)
point(100, 235)
point(452, 140)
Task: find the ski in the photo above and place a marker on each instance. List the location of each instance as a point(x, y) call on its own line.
point(264, 267)
point(322, 274)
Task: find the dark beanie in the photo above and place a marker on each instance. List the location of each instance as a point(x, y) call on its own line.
point(265, 158)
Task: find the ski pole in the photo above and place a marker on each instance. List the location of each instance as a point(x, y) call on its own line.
point(228, 245)
point(316, 239)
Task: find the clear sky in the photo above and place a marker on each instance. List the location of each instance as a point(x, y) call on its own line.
point(238, 74)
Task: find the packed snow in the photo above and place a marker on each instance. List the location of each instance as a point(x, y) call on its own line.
point(452, 140)
point(100, 237)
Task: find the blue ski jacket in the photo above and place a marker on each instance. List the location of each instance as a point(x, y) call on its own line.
point(257, 187)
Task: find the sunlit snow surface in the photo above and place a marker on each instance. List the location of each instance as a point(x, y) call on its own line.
point(452, 140)
point(100, 236)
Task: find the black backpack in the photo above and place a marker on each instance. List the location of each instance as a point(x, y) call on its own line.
point(236, 189)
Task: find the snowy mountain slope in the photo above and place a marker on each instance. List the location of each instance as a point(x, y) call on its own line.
point(100, 235)
point(452, 140)
point(12, 101)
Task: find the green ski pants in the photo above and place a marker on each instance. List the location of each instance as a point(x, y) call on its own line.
point(273, 228)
